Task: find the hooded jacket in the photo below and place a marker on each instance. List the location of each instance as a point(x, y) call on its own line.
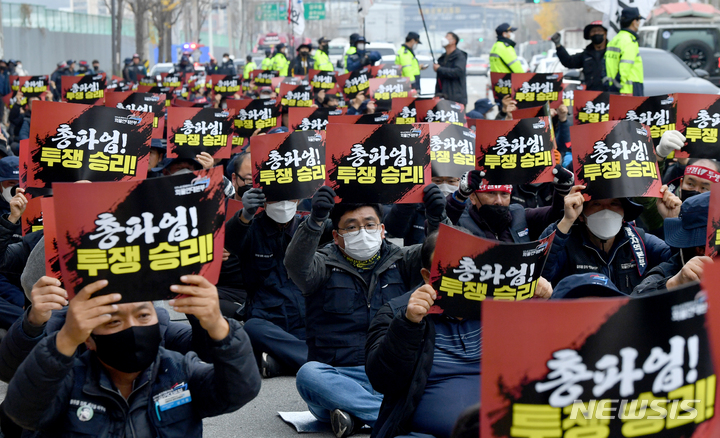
point(451, 76)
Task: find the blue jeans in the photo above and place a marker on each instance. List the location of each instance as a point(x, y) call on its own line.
point(266, 337)
point(326, 388)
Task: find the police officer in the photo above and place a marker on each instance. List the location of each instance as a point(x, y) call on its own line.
point(280, 61)
point(228, 66)
point(503, 58)
point(322, 60)
point(406, 59)
point(267, 63)
point(622, 57)
point(591, 59)
point(249, 67)
point(351, 50)
point(362, 57)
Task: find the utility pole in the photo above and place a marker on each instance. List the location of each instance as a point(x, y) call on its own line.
point(113, 38)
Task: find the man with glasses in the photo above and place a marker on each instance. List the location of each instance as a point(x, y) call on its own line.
point(345, 284)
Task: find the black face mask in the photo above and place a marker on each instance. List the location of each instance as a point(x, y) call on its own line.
point(241, 190)
point(686, 194)
point(597, 38)
point(130, 350)
point(324, 48)
point(496, 216)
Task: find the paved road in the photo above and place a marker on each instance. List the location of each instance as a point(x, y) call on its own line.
point(476, 88)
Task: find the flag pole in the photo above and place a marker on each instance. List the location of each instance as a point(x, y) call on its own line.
point(426, 31)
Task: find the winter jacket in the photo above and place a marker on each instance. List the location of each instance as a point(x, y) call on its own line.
point(339, 302)
point(574, 253)
point(592, 63)
point(357, 60)
point(451, 76)
point(658, 276)
point(399, 359)
point(74, 396)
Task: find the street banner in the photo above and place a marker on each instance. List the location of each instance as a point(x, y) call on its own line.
point(467, 269)
point(452, 149)
point(501, 85)
point(360, 119)
point(659, 113)
point(142, 102)
point(569, 90)
point(438, 110)
point(195, 130)
point(591, 107)
point(354, 82)
point(311, 119)
point(515, 151)
point(52, 259)
point(141, 236)
point(385, 90)
point(322, 80)
point(225, 85)
point(712, 248)
point(532, 89)
point(72, 142)
point(698, 118)
point(403, 111)
point(251, 115)
point(32, 218)
point(385, 164)
point(88, 89)
point(386, 71)
point(296, 95)
point(265, 77)
point(615, 160)
point(604, 367)
point(289, 165)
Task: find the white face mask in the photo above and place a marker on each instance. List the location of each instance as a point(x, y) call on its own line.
point(360, 47)
point(446, 189)
point(6, 193)
point(362, 246)
point(605, 224)
point(281, 212)
point(226, 59)
point(444, 42)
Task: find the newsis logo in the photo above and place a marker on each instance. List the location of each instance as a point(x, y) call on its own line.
point(657, 409)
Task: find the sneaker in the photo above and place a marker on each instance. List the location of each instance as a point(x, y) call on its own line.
point(269, 366)
point(344, 424)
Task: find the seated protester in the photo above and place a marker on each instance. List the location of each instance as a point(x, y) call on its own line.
point(427, 366)
point(492, 216)
point(355, 106)
point(171, 166)
point(688, 233)
point(698, 177)
point(275, 306)
point(158, 149)
point(344, 284)
point(367, 107)
point(585, 286)
point(126, 381)
point(596, 236)
point(482, 107)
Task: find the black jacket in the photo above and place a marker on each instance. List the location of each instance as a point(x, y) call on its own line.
point(399, 356)
point(451, 76)
point(297, 67)
point(658, 276)
point(592, 63)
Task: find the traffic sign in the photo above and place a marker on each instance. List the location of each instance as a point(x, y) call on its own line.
point(314, 11)
point(271, 12)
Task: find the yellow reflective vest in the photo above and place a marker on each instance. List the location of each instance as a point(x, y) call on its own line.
point(281, 64)
point(623, 64)
point(322, 61)
point(250, 66)
point(503, 58)
point(266, 63)
point(410, 66)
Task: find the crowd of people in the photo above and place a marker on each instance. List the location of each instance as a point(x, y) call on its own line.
point(319, 290)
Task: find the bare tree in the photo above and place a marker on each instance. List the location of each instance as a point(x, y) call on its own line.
point(202, 13)
point(140, 9)
point(165, 14)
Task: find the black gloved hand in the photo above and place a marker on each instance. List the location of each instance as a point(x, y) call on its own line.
point(322, 202)
point(469, 183)
point(252, 200)
point(563, 179)
point(434, 202)
point(556, 38)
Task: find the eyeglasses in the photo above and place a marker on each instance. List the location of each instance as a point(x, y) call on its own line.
point(247, 181)
point(354, 230)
